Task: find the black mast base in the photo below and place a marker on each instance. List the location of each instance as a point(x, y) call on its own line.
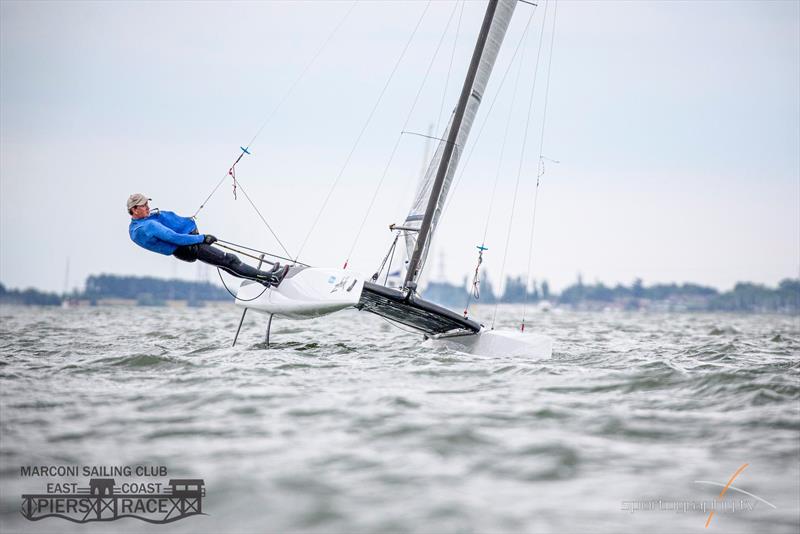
point(409, 310)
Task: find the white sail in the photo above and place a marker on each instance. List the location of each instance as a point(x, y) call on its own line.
point(503, 13)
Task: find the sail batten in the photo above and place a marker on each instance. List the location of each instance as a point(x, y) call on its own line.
point(432, 191)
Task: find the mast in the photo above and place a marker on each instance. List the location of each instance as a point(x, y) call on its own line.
point(466, 90)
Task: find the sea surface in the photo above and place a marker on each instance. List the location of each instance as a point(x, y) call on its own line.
point(348, 424)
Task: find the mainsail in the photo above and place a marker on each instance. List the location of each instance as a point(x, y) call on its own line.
point(502, 16)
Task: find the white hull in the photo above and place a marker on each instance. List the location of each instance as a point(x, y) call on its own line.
point(304, 293)
point(498, 343)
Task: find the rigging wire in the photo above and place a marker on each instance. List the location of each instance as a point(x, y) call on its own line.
point(389, 256)
point(522, 157)
point(475, 292)
point(219, 272)
point(482, 247)
point(399, 138)
point(363, 129)
point(305, 71)
point(541, 163)
point(467, 159)
point(224, 244)
point(264, 220)
point(397, 325)
point(391, 259)
point(442, 139)
point(211, 194)
point(289, 91)
point(450, 66)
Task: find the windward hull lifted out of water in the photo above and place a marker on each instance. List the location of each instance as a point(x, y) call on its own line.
point(306, 292)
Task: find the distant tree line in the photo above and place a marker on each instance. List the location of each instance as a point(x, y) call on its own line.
point(745, 296)
point(150, 289)
point(754, 297)
point(599, 292)
point(28, 297)
point(144, 290)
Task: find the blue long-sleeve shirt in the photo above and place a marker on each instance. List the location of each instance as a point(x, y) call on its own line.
point(163, 232)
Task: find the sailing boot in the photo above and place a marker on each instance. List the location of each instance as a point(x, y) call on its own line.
point(273, 277)
point(278, 277)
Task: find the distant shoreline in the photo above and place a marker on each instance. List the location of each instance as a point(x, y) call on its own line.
point(746, 297)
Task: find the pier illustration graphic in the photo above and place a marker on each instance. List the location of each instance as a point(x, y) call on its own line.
point(105, 501)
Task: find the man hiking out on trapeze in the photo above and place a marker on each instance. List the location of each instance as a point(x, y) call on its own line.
point(170, 234)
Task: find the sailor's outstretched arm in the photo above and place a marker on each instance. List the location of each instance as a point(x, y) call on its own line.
point(165, 234)
point(183, 224)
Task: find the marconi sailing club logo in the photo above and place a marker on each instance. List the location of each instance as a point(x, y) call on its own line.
point(112, 492)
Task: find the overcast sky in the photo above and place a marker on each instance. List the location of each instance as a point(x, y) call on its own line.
point(676, 125)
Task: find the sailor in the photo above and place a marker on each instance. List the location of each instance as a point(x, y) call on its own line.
point(170, 234)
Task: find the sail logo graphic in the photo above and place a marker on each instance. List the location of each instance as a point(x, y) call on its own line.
point(104, 500)
point(342, 284)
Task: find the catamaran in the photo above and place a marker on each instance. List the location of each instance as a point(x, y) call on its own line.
point(308, 292)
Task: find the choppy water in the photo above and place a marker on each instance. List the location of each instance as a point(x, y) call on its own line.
point(346, 424)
